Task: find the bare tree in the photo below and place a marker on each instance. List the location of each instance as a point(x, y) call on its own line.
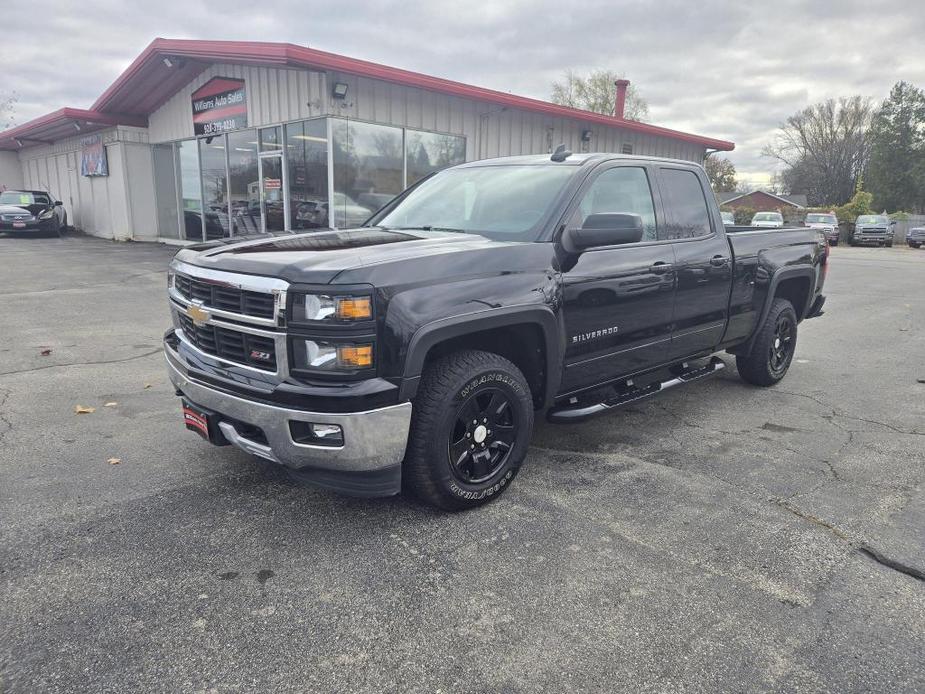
point(597, 93)
point(827, 145)
point(721, 172)
point(8, 109)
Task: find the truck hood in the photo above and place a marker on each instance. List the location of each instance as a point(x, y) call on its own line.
point(318, 257)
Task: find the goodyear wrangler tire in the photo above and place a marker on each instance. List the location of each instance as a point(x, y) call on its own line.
point(471, 424)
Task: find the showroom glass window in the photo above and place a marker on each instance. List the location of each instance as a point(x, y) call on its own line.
point(307, 149)
point(368, 169)
point(243, 188)
point(190, 189)
point(271, 140)
point(214, 186)
point(428, 152)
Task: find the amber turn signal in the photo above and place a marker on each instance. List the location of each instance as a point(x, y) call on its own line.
point(354, 308)
point(355, 356)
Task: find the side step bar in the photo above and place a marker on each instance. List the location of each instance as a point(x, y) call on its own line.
point(564, 415)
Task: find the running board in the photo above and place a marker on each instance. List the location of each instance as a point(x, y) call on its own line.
point(563, 415)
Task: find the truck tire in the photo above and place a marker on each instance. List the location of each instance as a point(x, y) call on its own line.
point(775, 344)
point(471, 424)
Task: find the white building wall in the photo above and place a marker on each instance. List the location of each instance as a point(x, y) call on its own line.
point(279, 95)
point(10, 171)
point(98, 205)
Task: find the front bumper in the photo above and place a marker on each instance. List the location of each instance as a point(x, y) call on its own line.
point(31, 227)
point(367, 464)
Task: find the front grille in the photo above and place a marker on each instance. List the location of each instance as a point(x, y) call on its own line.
point(16, 217)
point(243, 348)
point(245, 302)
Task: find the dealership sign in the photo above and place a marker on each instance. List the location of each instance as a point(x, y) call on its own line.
point(219, 105)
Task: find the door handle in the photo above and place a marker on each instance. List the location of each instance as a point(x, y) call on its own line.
point(659, 268)
point(718, 260)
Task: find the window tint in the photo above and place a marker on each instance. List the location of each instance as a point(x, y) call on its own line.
point(623, 189)
point(688, 213)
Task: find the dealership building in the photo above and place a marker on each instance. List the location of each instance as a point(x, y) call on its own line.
point(205, 139)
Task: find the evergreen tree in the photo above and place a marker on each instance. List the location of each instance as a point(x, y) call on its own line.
point(896, 172)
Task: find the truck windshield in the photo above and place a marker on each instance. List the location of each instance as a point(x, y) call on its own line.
point(872, 219)
point(505, 203)
point(820, 219)
point(768, 217)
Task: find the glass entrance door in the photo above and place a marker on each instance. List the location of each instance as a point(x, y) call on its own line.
point(272, 193)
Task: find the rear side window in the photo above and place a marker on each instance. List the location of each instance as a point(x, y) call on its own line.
point(624, 189)
point(688, 214)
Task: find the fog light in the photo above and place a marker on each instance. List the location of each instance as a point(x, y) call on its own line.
point(317, 434)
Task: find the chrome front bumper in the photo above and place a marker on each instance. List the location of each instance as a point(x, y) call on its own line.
point(373, 440)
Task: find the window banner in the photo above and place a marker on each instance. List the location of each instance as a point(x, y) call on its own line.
point(93, 156)
point(218, 106)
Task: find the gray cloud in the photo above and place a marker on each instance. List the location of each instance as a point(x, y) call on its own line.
point(724, 69)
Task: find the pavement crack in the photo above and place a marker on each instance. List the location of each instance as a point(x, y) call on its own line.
point(845, 415)
point(880, 558)
point(82, 363)
point(815, 520)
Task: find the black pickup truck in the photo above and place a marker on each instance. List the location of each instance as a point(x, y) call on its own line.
point(416, 351)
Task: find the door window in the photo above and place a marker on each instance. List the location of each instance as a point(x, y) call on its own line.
point(689, 215)
point(624, 190)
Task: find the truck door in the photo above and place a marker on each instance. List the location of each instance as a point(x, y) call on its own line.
point(618, 299)
point(703, 263)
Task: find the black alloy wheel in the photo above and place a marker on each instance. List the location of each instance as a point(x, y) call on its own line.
point(781, 351)
point(774, 345)
point(483, 436)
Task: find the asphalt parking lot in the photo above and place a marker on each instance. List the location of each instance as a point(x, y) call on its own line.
point(720, 538)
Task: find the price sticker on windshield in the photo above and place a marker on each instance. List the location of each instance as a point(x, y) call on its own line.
point(25, 199)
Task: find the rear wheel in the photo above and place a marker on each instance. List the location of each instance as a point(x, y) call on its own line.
point(470, 428)
point(774, 347)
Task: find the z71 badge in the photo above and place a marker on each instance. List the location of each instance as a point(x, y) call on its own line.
point(585, 337)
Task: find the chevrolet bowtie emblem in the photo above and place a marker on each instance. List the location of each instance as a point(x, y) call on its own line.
point(199, 315)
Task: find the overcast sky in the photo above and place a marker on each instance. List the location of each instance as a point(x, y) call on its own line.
point(732, 70)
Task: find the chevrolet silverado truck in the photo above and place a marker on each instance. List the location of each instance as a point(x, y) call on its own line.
point(415, 352)
point(872, 228)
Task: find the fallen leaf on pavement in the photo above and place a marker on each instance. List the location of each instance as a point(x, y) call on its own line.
point(114, 461)
point(45, 352)
point(83, 409)
point(147, 385)
point(110, 404)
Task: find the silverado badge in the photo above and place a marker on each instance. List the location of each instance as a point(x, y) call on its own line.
point(199, 315)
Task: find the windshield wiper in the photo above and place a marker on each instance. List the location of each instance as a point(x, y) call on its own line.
point(429, 227)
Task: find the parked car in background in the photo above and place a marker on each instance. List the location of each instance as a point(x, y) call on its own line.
point(827, 223)
point(872, 228)
point(768, 220)
point(729, 219)
point(915, 237)
point(33, 212)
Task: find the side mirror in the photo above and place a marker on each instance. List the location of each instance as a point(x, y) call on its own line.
point(58, 203)
point(892, 222)
point(610, 229)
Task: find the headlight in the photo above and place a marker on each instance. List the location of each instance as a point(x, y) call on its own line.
point(329, 307)
point(47, 214)
point(337, 356)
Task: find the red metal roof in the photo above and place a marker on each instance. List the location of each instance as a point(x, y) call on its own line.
point(64, 122)
point(148, 82)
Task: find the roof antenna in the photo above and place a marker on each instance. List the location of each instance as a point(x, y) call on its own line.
point(561, 154)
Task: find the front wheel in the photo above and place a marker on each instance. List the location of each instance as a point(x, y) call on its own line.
point(774, 347)
point(471, 424)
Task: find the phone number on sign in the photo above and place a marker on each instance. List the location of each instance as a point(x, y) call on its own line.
point(219, 126)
